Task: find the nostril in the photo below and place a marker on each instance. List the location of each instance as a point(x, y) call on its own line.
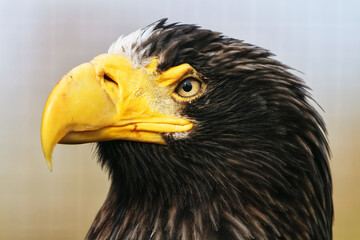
point(108, 78)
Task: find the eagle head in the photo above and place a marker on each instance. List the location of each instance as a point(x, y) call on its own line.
point(204, 137)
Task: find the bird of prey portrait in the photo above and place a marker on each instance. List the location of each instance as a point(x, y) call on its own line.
point(203, 137)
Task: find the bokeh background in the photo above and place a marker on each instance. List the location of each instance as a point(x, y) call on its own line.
point(41, 40)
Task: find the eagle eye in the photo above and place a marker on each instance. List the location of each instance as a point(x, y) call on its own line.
point(189, 87)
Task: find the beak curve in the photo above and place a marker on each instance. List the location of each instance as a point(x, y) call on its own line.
point(82, 108)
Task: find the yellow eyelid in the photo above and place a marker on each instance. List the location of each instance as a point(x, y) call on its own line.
point(174, 74)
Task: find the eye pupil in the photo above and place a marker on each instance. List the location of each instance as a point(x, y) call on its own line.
point(187, 86)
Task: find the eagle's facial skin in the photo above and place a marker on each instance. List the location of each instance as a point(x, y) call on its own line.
point(250, 163)
point(110, 99)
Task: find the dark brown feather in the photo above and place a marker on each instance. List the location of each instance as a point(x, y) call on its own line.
point(255, 166)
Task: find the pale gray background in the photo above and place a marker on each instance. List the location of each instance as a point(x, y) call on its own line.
point(42, 40)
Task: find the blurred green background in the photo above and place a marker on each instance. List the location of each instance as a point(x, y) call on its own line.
point(41, 40)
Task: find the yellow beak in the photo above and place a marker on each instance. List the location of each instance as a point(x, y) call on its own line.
point(86, 107)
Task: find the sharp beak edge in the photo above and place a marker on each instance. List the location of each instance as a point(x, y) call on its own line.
point(80, 110)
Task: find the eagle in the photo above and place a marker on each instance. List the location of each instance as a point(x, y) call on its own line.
point(203, 137)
